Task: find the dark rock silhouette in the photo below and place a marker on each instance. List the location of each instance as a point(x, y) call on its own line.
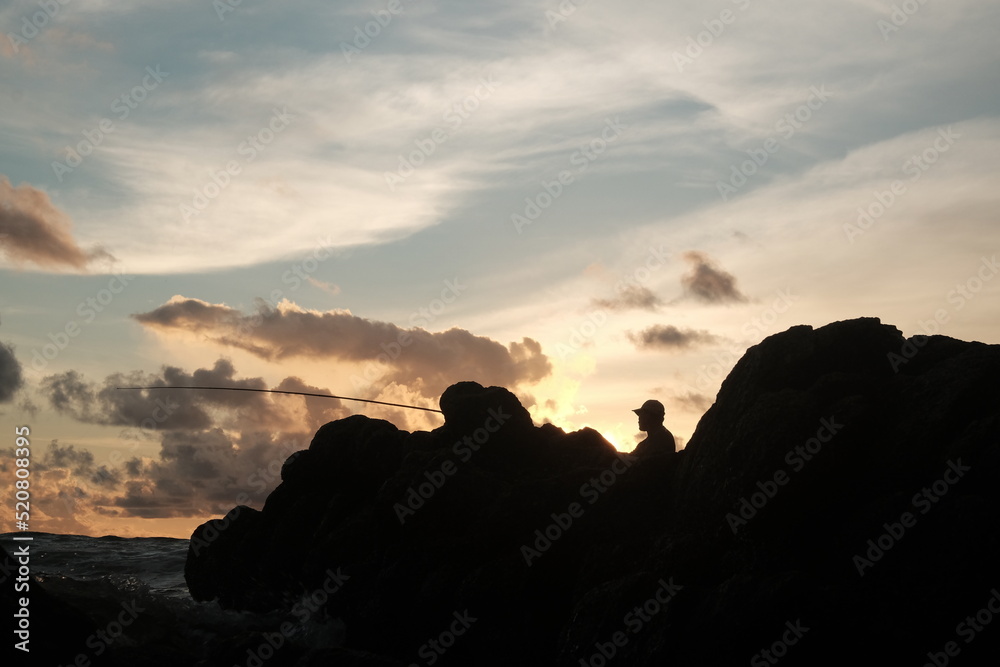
point(834, 506)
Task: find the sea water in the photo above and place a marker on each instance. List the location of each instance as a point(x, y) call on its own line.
point(100, 576)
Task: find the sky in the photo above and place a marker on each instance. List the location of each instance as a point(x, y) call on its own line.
point(589, 203)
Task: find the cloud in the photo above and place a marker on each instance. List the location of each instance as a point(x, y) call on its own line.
point(669, 337)
point(707, 283)
point(216, 449)
point(71, 394)
point(11, 377)
point(631, 297)
point(78, 461)
point(34, 230)
point(428, 362)
point(66, 484)
point(200, 472)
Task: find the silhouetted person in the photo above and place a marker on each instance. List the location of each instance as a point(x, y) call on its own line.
point(658, 439)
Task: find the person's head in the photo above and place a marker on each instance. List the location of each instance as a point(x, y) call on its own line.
point(650, 414)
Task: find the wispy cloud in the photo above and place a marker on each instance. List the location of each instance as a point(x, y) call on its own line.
point(631, 297)
point(329, 288)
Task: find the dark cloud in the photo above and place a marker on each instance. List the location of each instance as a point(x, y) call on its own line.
point(33, 230)
point(105, 476)
point(669, 337)
point(11, 377)
point(707, 283)
point(201, 472)
point(631, 297)
point(133, 467)
point(415, 358)
point(141, 499)
point(169, 409)
point(78, 461)
point(69, 392)
point(216, 448)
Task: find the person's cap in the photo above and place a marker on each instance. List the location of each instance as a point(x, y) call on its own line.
point(652, 407)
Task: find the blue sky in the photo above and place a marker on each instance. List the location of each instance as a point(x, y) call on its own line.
point(622, 198)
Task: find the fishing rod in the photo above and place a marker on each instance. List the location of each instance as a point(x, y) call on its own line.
point(297, 393)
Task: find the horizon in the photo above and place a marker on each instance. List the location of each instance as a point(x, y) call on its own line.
point(589, 205)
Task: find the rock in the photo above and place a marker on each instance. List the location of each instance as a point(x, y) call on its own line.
point(819, 443)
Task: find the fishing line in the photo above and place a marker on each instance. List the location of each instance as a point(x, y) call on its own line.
point(297, 393)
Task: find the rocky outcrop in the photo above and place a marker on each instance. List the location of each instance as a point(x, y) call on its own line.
point(836, 504)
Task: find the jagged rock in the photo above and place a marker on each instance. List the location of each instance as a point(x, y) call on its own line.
point(818, 440)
